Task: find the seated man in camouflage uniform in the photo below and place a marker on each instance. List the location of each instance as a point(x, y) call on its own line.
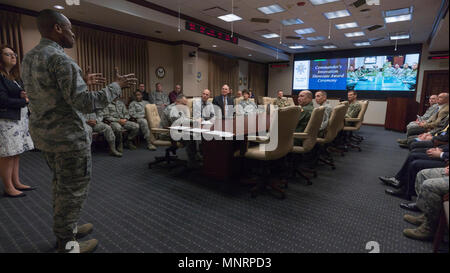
point(159, 98)
point(137, 113)
point(177, 114)
point(95, 121)
point(321, 100)
point(305, 101)
point(246, 106)
point(431, 186)
point(280, 101)
point(117, 114)
point(353, 107)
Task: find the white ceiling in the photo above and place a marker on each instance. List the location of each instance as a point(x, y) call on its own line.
point(419, 27)
point(126, 16)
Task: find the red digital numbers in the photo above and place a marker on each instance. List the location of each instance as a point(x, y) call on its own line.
point(211, 32)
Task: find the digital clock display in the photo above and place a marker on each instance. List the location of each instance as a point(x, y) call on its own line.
point(211, 32)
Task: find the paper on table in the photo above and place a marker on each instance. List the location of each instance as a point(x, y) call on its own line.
point(206, 122)
point(182, 128)
point(198, 130)
point(220, 133)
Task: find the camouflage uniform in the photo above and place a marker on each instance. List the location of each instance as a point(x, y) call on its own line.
point(179, 114)
point(175, 113)
point(137, 111)
point(102, 128)
point(352, 112)
point(58, 100)
point(305, 116)
point(326, 117)
point(246, 107)
point(158, 98)
point(431, 186)
point(283, 102)
point(115, 111)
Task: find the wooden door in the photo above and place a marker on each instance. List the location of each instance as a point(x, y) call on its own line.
point(434, 83)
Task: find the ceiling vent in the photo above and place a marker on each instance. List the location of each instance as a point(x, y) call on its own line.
point(358, 3)
point(374, 27)
point(262, 32)
point(260, 20)
point(294, 37)
point(215, 11)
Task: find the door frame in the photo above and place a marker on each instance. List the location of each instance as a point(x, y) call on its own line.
point(424, 84)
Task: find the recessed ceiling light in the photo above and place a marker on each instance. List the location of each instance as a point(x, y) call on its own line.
point(290, 22)
point(354, 34)
point(347, 25)
point(271, 35)
point(362, 44)
point(397, 12)
point(304, 31)
point(321, 2)
point(296, 47)
point(230, 17)
point(337, 14)
point(400, 18)
point(400, 37)
point(58, 7)
point(271, 9)
point(249, 55)
point(329, 46)
point(317, 38)
point(214, 45)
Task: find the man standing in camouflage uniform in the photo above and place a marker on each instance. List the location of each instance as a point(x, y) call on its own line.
point(353, 107)
point(280, 101)
point(431, 186)
point(59, 98)
point(117, 114)
point(95, 121)
point(137, 112)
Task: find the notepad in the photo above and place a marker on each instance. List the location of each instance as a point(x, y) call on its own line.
point(180, 128)
point(220, 133)
point(197, 130)
point(207, 122)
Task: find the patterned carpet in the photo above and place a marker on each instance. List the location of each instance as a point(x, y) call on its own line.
point(135, 209)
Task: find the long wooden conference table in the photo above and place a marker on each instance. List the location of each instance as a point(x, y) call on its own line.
point(222, 139)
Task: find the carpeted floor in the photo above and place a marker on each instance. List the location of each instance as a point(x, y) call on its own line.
point(135, 209)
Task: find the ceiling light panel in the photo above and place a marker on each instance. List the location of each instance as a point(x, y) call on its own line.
point(318, 38)
point(304, 31)
point(347, 25)
point(400, 18)
point(321, 2)
point(271, 9)
point(290, 22)
point(354, 34)
point(230, 18)
point(271, 35)
point(362, 44)
point(399, 37)
point(337, 14)
point(329, 46)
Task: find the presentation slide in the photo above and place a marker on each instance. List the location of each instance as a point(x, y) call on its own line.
point(371, 73)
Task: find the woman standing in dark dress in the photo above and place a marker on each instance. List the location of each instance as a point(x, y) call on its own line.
point(14, 136)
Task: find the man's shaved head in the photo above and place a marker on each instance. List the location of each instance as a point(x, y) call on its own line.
point(55, 26)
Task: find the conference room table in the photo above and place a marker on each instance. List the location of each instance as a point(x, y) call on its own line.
point(221, 140)
point(381, 83)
